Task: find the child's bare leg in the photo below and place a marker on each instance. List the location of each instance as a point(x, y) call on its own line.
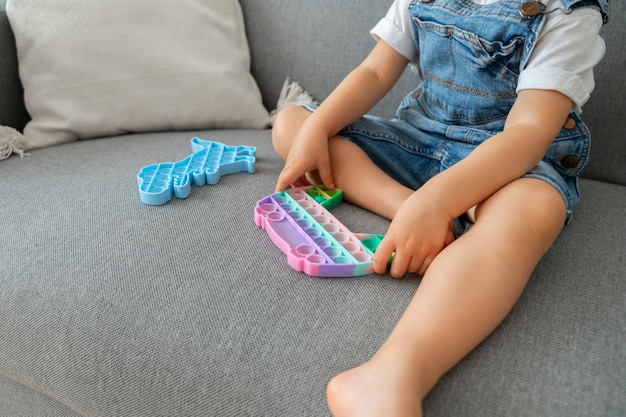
point(352, 169)
point(466, 292)
point(288, 122)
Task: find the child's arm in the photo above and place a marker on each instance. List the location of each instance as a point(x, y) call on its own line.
point(417, 233)
point(350, 100)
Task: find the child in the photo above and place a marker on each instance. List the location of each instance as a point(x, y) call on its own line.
point(489, 145)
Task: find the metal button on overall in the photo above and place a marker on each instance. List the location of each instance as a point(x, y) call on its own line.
point(570, 161)
point(569, 123)
point(531, 9)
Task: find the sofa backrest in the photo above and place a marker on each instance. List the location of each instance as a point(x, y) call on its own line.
point(313, 42)
point(318, 42)
point(605, 112)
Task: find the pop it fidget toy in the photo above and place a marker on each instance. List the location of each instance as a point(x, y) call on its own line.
point(208, 162)
point(299, 222)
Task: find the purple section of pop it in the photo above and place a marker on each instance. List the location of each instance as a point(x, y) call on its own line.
point(314, 241)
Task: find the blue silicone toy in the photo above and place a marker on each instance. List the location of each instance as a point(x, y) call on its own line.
point(208, 162)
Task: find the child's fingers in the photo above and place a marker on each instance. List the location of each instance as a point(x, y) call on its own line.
point(326, 176)
point(403, 260)
point(382, 255)
point(400, 264)
point(291, 172)
point(301, 182)
point(286, 177)
point(419, 266)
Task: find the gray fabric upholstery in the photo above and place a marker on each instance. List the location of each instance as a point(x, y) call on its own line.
point(110, 307)
point(297, 40)
point(17, 400)
point(604, 113)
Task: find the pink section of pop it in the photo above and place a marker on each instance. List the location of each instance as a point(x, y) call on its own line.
point(314, 241)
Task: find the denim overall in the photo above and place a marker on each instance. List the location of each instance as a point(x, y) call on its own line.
point(470, 58)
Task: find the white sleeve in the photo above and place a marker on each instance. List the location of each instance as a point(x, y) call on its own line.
point(395, 29)
point(567, 49)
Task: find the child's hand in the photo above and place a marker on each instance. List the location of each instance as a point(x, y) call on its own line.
point(418, 232)
point(309, 152)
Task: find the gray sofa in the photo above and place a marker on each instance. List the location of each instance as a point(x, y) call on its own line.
point(110, 307)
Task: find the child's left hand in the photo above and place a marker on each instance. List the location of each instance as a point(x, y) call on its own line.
point(418, 232)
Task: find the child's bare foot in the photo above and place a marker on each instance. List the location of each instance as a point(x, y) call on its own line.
point(374, 390)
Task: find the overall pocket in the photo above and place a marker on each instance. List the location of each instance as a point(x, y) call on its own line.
point(463, 58)
point(472, 79)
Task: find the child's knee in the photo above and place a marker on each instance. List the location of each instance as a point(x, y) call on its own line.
point(279, 134)
point(534, 203)
point(545, 211)
point(286, 126)
point(544, 203)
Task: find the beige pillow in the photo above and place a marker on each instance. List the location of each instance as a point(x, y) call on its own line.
point(94, 68)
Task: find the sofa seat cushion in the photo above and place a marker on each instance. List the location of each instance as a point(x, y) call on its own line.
point(113, 307)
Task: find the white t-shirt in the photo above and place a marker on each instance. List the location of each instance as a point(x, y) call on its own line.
point(567, 48)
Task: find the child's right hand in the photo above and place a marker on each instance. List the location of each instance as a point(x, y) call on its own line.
point(309, 152)
point(417, 234)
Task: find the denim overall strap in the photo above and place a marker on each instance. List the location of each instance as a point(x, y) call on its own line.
point(601, 5)
point(470, 59)
point(471, 56)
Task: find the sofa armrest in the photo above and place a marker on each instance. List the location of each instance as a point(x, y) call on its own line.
point(12, 110)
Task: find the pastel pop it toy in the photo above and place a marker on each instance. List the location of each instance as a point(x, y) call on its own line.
point(208, 162)
point(299, 222)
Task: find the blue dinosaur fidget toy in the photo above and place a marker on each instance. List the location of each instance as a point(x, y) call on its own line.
point(208, 162)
